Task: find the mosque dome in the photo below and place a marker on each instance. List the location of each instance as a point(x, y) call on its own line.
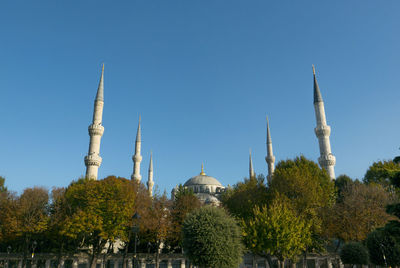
point(203, 184)
point(202, 179)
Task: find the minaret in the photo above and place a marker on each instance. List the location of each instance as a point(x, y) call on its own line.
point(326, 160)
point(251, 170)
point(150, 182)
point(270, 158)
point(137, 158)
point(96, 130)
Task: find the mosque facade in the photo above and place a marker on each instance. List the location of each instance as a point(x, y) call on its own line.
point(208, 189)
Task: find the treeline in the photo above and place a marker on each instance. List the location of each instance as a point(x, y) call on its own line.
point(301, 210)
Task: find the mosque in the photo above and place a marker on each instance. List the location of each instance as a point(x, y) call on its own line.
point(208, 189)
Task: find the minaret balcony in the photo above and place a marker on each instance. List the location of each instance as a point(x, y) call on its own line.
point(137, 158)
point(327, 160)
point(322, 131)
point(96, 130)
point(93, 160)
point(270, 159)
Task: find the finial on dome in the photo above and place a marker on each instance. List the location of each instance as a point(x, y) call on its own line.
point(202, 170)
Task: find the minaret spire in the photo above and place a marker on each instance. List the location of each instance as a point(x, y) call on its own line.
point(96, 130)
point(137, 158)
point(270, 158)
point(251, 170)
point(150, 182)
point(326, 160)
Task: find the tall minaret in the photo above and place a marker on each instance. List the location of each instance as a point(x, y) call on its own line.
point(150, 182)
point(137, 158)
point(251, 170)
point(326, 160)
point(96, 130)
point(270, 158)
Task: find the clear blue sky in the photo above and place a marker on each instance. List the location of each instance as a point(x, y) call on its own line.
point(203, 75)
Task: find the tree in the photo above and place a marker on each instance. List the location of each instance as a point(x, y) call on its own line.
point(211, 238)
point(354, 253)
point(3, 188)
point(156, 223)
point(341, 182)
point(309, 188)
point(384, 245)
point(381, 172)
point(277, 230)
point(8, 219)
point(361, 209)
point(184, 202)
point(31, 214)
point(101, 212)
point(244, 196)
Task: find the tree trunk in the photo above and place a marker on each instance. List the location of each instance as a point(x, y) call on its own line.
point(305, 259)
point(93, 261)
point(60, 254)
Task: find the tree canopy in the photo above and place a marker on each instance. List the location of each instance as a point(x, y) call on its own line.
point(360, 209)
point(381, 172)
point(277, 230)
point(308, 187)
point(211, 238)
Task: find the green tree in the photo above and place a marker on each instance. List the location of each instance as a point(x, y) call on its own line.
point(384, 245)
point(354, 253)
point(101, 212)
point(184, 202)
point(211, 238)
point(244, 196)
point(310, 190)
point(381, 172)
point(341, 182)
point(3, 188)
point(277, 230)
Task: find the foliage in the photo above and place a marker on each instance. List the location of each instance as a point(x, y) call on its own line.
point(277, 230)
point(354, 253)
point(211, 238)
point(244, 196)
point(341, 182)
point(381, 172)
point(361, 209)
point(3, 188)
point(384, 245)
point(100, 212)
point(184, 202)
point(309, 188)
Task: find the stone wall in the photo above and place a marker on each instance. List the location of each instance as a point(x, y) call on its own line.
point(148, 261)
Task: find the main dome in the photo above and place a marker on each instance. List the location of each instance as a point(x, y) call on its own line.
point(202, 180)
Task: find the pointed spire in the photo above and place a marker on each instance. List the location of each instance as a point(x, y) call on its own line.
point(150, 182)
point(317, 93)
point(100, 89)
point(138, 134)
point(269, 140)
point(251, 170)
point(202, 170)
point(151, 163)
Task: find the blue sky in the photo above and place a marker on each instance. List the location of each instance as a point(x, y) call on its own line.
point(203, 75)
